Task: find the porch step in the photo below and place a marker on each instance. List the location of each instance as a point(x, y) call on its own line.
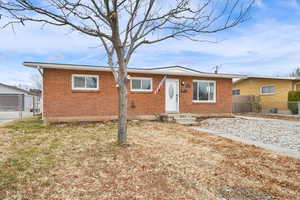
point(180, 118)
point(188, 123)
point(186, 119)
point(183, 116)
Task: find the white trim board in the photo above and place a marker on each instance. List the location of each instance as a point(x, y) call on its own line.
point(174, 70)
point(141, 90)
point(85, 88)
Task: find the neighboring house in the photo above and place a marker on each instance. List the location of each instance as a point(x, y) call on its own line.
point(16, 100)
point(81, 92)
point(272, 91)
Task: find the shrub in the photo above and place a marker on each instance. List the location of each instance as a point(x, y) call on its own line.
point(293, 98)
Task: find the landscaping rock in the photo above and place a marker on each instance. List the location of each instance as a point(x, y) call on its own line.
point(282, 133)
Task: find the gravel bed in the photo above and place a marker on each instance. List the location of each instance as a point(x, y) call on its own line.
point(282, 133)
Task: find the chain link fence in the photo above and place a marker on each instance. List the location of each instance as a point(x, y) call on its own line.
point(13, 106)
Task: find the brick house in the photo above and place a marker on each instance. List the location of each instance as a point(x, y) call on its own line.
point(89, 93)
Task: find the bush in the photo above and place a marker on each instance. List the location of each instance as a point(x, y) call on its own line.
point(293, 98)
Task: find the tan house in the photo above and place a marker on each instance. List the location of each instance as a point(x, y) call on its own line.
point(272, 91)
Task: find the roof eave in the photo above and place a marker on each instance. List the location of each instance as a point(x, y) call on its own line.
point(261, 77)
point(142, 71)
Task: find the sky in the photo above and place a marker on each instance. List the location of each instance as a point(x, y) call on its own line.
point(268, 44)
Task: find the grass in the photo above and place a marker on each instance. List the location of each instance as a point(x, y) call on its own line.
point(162, 161)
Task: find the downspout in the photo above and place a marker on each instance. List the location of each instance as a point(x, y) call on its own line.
point(42, 96)
point(39, 69)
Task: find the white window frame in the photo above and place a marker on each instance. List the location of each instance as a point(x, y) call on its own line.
point(85, 88)
point(215, 91)
point(235, 90)
point(261, 88)
point(141, 90)
point(295, 86)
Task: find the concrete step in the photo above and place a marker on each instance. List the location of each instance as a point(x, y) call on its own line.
point(188, 123)
point(182, 116)
point(185, 119)
point(174, 117)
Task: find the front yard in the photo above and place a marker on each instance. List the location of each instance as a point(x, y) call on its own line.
point(162, 161)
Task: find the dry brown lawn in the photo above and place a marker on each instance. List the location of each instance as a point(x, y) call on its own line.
point(162, 161)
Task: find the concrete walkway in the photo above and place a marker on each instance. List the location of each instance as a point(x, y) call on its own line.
point(285, 151)
point(5, 121)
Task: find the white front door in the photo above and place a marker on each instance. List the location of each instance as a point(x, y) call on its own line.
point(172, 95)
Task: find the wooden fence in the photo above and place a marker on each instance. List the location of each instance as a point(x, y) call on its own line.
point(244, 104)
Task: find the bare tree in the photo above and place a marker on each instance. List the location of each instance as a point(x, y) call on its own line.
point(122, 26)
point(36, 81)
point(296, 72)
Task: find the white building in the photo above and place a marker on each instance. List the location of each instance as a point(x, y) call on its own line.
point(17, 103)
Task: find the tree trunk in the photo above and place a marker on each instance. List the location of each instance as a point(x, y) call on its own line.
point(122, 123)
point(122, 78)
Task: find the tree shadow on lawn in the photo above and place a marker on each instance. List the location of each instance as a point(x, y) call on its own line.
point(162, 161)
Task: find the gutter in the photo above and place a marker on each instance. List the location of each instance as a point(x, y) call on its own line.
point(40, 66)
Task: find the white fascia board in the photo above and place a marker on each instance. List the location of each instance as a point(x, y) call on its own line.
point(143, 71)
point(270, 77)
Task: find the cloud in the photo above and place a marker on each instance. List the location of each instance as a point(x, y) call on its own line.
point(266, 47)
point(269, 46)
point(289, 4)
point(13, 75)
point(37, 40)
point(259, 3)
point(268, 39)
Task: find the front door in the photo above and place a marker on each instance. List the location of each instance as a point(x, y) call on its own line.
point(172, 95)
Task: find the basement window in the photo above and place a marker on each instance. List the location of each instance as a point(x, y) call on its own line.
point(141, 84)
point(85, 82)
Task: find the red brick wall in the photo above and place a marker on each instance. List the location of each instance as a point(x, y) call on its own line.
point(61, 101)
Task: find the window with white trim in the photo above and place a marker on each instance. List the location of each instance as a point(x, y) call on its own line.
point(297, 87)
point(267, 89)
point(141, 84)
point(85, 82)
point(204, 91)
point(236, 92)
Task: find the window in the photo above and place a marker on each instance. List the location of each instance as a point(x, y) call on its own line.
point(85, 82)
point(204, 91)
point(236, 92)
point(268, 89)
point(297, 87)
point(141, 84)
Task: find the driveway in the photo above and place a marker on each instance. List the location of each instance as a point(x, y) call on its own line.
point(3, 121)
point(277, 135)
point(13, 115)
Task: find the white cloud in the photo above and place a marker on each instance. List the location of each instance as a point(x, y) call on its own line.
point(259, 3)
point(31, 38)
point(268, 47)
point(269, 39)
point(289, 4)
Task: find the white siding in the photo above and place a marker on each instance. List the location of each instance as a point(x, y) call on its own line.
point(8, 90)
